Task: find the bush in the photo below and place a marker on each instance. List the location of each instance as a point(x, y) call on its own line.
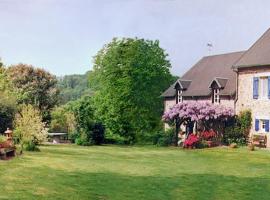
point(98, 133)
point(115, 139)
point(88, 131)
point(192, 141)
point(30, 146)
point(238, 130)
point(164, 138)
point(84, 138)
point(29, 126)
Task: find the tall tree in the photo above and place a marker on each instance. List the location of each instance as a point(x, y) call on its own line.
point(34, 86)
point(133, 73)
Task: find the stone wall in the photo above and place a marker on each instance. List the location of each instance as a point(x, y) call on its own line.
point(260, 107)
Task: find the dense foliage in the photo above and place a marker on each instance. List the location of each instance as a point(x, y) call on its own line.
point(63, 120)
point(8, 104)
point(164, 138)
point(133, 73)
point(29, 128)
point(34, 86)
point(237, 131)
point(88, 129)
point(73, 87)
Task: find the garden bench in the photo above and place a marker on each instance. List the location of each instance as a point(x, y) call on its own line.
point(6, 153)
point(259, 140)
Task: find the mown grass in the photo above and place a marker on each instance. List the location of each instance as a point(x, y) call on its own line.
point(119, 172)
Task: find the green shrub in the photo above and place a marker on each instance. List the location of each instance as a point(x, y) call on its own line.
point(238, 129)
point(30, 146)
point(164, 138)
point(83, 139)
point(115, 139)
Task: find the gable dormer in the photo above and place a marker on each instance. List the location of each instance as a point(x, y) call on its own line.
point(181, 86)
point(216, 85)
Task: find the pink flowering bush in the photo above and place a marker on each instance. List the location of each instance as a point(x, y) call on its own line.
point(197, 111)
point(191, 141)
point(208, 135)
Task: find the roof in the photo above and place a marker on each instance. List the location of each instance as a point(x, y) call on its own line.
point(208, 69)
point(170, 92)
point(257, 54)
point(221, 82)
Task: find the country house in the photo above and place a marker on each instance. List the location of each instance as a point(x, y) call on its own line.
point(240, 80)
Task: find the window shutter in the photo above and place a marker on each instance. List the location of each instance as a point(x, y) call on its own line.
point(257, 122)
point(268, 87)
point(255, 88)
point(267, 125)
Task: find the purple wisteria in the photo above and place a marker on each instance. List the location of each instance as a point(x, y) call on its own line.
point(197, 111)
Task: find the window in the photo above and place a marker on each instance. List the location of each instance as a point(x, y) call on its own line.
point(264, 86)
point(263, 125)
point(216, 96)
point(179, 96)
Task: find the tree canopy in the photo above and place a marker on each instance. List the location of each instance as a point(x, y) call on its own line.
point(72, 87)
point(34, 86)
point(133, 73)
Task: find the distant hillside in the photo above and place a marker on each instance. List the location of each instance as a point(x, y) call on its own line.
point(72, 87)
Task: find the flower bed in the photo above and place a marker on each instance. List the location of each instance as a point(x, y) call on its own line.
point(202, 140)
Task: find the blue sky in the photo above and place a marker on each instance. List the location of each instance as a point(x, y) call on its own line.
point(62, 36)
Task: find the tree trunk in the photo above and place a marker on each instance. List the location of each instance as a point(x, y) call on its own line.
point(177, 128)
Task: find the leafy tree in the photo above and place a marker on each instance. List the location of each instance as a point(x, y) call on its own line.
point(34, 86)
point(83, 112)
point(62, 120)
point(73, 87)
point(29, 128)
point(133, 73)
point(89, 131)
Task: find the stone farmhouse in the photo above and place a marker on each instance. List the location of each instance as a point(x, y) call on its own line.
point(240, 80)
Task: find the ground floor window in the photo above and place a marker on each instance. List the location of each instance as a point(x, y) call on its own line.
point(262, 125)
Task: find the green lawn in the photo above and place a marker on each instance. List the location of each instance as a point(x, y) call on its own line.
point(139, 173)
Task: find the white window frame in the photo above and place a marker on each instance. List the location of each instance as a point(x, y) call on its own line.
point(261, 75)
point(262, 124)
point(179, 96)
point(216, 96)
point(263, 80)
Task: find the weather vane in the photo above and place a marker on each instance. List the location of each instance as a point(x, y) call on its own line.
point(210, 46)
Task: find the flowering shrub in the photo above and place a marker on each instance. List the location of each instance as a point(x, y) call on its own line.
point(208, 135)
point(191, 141)
point(197, 111)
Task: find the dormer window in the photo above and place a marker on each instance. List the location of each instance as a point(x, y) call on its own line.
point(216, 98)
point(179, 96)
point(180, 87)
